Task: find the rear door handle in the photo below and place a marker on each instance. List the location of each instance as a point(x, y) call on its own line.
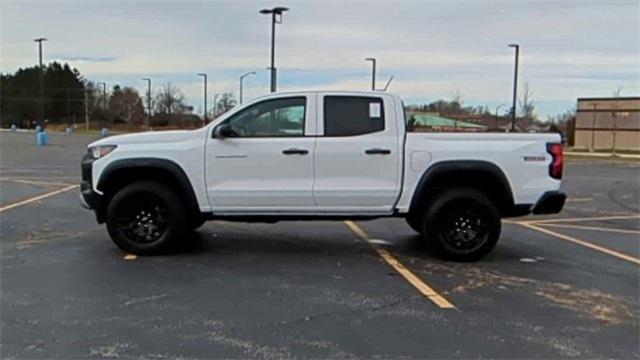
point(295, 151)
point(377, 151)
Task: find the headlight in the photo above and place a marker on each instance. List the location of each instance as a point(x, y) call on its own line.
point(99, 151)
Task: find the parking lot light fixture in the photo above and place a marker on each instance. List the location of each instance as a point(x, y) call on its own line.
point(276, 18)
point(204, 76)
point(104, 98)
point(373, 73)
point(241, 79)
point(148, 80)
point(40, 81)
point(515, 86)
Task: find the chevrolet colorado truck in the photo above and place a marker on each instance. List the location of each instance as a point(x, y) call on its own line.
point(320, 156)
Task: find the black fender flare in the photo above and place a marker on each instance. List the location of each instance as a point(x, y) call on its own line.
point(471, 166)
point(178, 173)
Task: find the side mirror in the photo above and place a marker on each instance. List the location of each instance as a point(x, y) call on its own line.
point(222, 131)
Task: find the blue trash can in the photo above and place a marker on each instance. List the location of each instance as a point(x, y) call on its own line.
point(68, 130)
point(104, 132)
point(13, 127)
point(42, 139)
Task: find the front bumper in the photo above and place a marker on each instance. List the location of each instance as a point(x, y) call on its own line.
point(551, 202)
point(88, 197)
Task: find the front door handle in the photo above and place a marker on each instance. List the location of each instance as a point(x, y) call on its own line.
point(295, 151)
point(377, 151)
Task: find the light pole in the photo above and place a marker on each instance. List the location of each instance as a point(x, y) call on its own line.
point(215, 104)
point(104, 98)
point(148, 80)
point(276, 18)
point(515, 87)
point(497, 109)
point(373, 73)
point(242, 78)
point(204, 76)
point(41, 82)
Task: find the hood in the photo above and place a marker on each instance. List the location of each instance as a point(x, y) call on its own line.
point(147, 137)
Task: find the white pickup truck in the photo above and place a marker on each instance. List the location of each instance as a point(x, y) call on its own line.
point(320, 155)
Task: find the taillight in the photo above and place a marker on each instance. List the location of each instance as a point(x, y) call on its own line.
point(557, 160)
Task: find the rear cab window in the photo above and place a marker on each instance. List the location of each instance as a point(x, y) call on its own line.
point(353, 115)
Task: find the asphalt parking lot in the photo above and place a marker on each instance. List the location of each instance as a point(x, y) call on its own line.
point(556, 287)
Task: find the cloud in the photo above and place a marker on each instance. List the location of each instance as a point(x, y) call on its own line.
point(433, 48)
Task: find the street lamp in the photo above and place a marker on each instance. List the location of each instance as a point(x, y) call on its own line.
point(276, 18)
point(515, 87)
point(41, 81)
point(373, 73)
point(148, 80)
point(204, 76)
point(104, 98)
point(242, 78)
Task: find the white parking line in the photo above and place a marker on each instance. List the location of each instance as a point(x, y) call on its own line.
point(38, 198)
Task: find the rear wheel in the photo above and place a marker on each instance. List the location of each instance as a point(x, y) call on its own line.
point(462, 224)
point(145, 218)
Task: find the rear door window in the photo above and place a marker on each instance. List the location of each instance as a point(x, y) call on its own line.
point(352, 115)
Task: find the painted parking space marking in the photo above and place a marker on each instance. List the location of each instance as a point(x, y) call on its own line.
point(592, 228)
point(130, 257)
point(580, 219)
point(38, 198)
point(414, 280)
point(35, 182)
point(538, 227)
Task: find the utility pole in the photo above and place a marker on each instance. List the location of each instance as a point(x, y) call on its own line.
point(41, 83)
point(515, 87)
point(373, 73)
point(148, 80)
point(205, 97)
point(276, 18)
point(242, 78)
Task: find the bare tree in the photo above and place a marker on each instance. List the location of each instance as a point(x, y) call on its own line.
point(527, 105)
point(170, 100)
point(225, 103)
point(125, 105)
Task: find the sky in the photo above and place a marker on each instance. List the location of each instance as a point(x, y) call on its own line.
point(433, 49)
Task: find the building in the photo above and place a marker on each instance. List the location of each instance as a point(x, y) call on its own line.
point(432, 122)
point(608, 124)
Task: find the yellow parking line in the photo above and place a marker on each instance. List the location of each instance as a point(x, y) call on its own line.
point(420, 285)
point(37, 198)
point(600, 218)
point(593, 228)
point(584, 243)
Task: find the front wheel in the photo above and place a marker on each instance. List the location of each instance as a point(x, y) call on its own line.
point(146, 218)
point(462, 224)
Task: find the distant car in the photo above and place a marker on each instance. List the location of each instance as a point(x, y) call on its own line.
point(320, 156)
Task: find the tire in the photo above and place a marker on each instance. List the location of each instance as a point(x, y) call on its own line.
point(462, 224)
point(146, 218)
point(414, 222)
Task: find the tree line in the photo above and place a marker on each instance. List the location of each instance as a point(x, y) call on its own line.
point(68, 97)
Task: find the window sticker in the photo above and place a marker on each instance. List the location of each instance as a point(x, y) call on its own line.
point(374, 110)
